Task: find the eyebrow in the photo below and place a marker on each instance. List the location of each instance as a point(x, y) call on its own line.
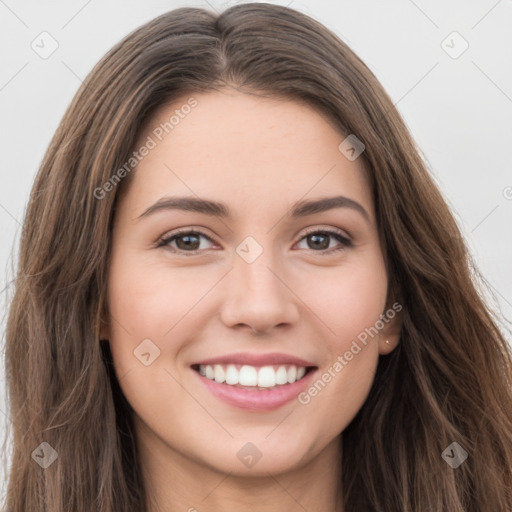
point(214, 208)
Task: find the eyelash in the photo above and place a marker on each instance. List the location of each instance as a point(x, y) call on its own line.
point(166, 240)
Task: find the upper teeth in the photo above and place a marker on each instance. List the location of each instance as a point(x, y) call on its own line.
point(264, 376)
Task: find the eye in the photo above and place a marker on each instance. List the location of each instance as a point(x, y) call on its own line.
point(189, 241)
point(320, 239)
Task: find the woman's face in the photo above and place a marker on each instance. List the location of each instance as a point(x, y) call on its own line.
point(254, 290)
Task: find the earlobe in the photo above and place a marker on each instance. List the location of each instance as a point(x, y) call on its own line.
point(388, 343)
point(389, 336)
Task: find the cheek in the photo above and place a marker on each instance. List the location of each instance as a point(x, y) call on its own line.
point(138, 312)
point(349, 299)
point(146, 300)
point(349, 306)
point(145, 305)
point(154, 309)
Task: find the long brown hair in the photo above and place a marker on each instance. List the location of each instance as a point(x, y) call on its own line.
point(449, 380)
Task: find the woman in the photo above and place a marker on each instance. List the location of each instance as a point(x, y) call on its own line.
point(259, 369)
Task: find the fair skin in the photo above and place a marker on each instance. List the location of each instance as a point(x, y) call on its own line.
point(258, 157)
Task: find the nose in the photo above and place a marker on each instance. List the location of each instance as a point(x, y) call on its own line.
point(258, 297)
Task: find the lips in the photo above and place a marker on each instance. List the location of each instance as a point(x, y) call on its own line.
point(256, 400)
point(255, 382)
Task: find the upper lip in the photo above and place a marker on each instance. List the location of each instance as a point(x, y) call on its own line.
point(274, 358)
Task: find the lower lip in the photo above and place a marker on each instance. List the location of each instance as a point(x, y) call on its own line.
point(257, 400)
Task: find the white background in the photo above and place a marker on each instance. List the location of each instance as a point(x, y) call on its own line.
point(459, 110)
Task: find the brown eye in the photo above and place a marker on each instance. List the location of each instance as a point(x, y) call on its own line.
point(186, 241)
point(319, 241)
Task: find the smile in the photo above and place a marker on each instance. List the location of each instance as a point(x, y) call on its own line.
point(266, 387)
point(253, 377)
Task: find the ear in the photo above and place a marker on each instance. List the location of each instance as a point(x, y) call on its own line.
point(389, 335)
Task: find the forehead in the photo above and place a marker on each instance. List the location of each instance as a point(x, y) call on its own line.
point(251, 152)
